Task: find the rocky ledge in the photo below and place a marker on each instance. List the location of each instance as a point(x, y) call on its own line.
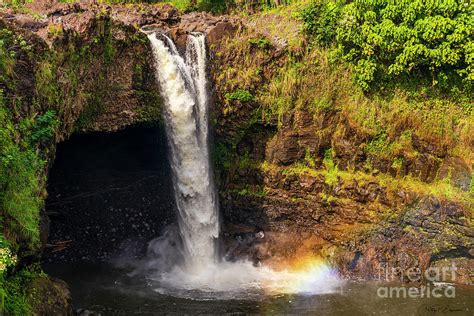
point(116, 84)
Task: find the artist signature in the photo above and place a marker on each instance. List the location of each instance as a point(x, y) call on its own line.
point(440, 309)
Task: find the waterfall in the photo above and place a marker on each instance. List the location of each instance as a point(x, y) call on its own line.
point(183, 85)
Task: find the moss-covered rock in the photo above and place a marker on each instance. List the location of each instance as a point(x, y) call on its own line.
point(49, 296)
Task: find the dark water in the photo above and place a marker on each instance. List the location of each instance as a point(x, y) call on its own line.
point(109, 291)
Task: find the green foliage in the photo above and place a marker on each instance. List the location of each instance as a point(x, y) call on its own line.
point(323, 104)
point(20, 168)
point(55, 30)
point(397, 163)
point(14, 298)
point(109, 47)
point(10, 46)
point(260, 5)
point(309, 159)
point(378, 145)
point(6, 56)
point(281, 94)
point(15, 4)
point(331, 175)
point(327, 198)
point(39, 129)
point(320, 19)
point(92, 109)
point(251, 190)
point(240, 95)
point(20, 164)
point(471, 185)
point(387, 41)
point(261, 42)
point(222, 156)
point(214, 6)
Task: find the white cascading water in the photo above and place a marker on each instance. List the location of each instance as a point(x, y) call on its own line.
point(184, 87)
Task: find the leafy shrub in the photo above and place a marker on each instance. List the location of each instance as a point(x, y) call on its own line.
point(391, 40)
point(39, 129)
point(239, 95)
point(320, 20)
point(261, 42)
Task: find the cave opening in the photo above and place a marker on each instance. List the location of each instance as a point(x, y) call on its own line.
point(108, 195)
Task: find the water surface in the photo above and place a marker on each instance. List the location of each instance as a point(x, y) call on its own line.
point(110, 291)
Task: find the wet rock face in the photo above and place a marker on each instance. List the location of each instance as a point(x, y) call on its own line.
point(109, 194)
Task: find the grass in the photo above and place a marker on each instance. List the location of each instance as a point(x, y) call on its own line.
point(441, 189)
point(251, 190)
point(21, 173)
point(279, 23)
point(307, 83)
point(389, 122)
point(181, 5)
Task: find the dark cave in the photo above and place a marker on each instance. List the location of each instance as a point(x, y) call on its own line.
point(108, 194)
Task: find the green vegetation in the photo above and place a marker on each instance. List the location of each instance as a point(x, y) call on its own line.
point(214, 6)
point(310, 82)
point(14, 299)
point(21, 165)
point(20, 176)
point(221, 6)
point(261, 42)
point(251, 190)
point(391, 122)
point(327, 197)
point(239, 95)
point(441, 189)
point(419, 42)
point(331, 175)
point(29, 121)
point(321, 19)
point(222, 156)
point(20, 170)
point(15, 4)
point(21, 198)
